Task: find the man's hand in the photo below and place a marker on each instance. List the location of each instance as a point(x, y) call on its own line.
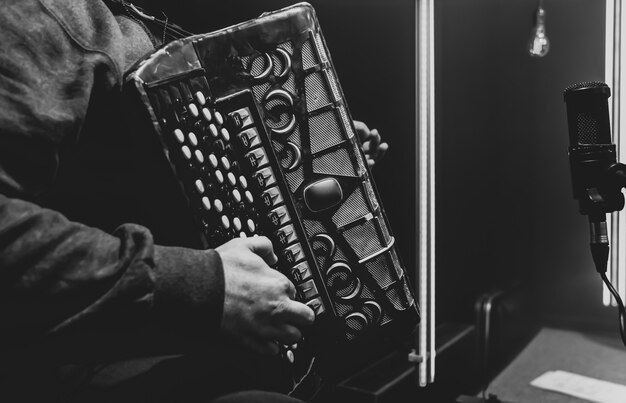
point(259, 309)
point(370, 139)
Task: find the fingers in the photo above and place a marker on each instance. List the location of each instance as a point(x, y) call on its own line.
point(295, 313)
point(376, 155)
point(362, 130)
point(262, 246)
point(291, 290)
point(382, 150)
point(371, 142)
point(286, 334)
point(374, 140)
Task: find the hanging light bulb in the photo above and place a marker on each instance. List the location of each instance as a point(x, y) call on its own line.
point(539, 45)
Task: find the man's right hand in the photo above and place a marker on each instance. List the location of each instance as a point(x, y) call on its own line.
point(259, 309)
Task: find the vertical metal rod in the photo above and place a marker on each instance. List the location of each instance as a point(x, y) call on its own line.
point(431, 186)
point(425, 126)
point(620, 241)
point(615, 217)
point(608, 78)
point(422, 229)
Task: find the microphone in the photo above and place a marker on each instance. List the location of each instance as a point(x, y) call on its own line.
point(596, 176)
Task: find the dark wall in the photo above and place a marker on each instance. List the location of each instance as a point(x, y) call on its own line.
point(506, 213)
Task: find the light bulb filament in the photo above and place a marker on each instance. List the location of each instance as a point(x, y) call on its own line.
point(539, 45)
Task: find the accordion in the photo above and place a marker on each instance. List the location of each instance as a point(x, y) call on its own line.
point(254, 129)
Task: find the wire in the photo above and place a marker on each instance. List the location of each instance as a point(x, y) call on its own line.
point(620, 307)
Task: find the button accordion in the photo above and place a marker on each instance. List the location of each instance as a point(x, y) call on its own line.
point(256, 132)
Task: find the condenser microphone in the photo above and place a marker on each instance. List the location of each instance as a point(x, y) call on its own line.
point(597, 177)
point(593, 161)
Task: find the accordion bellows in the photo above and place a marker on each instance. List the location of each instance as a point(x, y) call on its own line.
point(258, 135)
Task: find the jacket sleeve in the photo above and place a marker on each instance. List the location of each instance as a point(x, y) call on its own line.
point(56, 274)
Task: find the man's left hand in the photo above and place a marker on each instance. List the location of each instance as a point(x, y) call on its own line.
point(370, 139)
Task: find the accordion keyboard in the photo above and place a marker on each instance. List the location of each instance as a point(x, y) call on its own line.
point(220, 151)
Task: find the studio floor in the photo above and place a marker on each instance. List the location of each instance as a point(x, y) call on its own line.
point(602, 358)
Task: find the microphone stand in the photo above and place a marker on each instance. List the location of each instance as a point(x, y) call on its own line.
point(601, 201)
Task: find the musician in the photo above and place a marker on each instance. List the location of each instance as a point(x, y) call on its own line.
point(76, 275)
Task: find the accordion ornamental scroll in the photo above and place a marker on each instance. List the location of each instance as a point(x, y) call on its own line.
point(258, 136)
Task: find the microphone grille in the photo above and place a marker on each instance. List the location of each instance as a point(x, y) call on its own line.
point(588, 128)
point(588, 114)
point(586, 84)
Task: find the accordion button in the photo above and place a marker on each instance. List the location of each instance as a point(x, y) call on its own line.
point(286, 236)
point(290, 356)
point(213, 160)
point(248, 138)
point(291, 256)
point(357, 321)
point(316, 305)
point(186, 152)
point(236, 196)
point(249, 197)
point(251, 225)
point(244, 140)
point(199, 156)
point(225, 163)
point(206, 203)
point(219, 176)
point(218, 118)
point(274, 219)
point(256, 158)
point(207, 114)
point(323, 195)
point(193, 109)
point(179, 135)
point(225, 222)
point(213, 130)
point(264, 178)
point(242, 235)
point(279, 216)
point(199, 186)
point(219, 206)
point(307, 290)
point(267, 200)
point(271, 197)
point(225, 134)
point(243, 182)
point(231, 179)
point(240, 118)
point(259, 180)
point(200, 98)
point(193, 139)
point(237, 224)
point(300, 272)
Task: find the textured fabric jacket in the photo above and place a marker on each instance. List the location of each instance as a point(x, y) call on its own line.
point(74, 263)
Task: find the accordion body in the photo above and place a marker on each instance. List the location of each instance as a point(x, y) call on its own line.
point(256, 132)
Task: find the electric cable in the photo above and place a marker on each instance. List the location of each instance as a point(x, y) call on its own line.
point(620, 307)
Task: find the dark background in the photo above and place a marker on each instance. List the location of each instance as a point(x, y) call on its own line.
point(504, 198)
